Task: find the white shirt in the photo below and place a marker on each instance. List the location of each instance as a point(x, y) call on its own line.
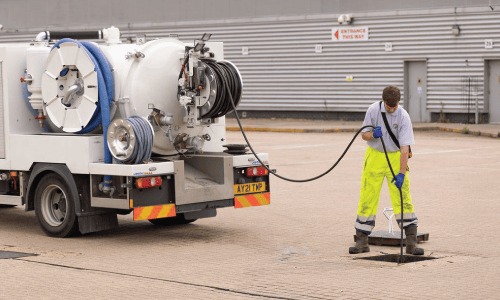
point(399, 122)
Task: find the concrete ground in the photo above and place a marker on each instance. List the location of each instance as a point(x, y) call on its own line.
point(296, 248)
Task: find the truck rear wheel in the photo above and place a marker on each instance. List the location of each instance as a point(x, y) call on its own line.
point(55, 207)
point(177, 220)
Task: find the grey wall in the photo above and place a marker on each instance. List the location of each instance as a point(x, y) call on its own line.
point(47, 14)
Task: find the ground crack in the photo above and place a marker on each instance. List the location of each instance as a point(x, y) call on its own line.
point(163, 280)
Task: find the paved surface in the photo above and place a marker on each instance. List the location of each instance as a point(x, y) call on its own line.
point(299, 125)
point(296, 248)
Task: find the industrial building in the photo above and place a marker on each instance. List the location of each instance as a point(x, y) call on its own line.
point(315, 58)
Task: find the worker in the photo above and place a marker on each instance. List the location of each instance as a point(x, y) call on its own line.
point(375, 169)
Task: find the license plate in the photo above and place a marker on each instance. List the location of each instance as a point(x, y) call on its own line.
point(249, 188)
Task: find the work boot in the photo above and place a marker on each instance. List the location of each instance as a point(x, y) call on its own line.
point(411, 241)
point(361, 243)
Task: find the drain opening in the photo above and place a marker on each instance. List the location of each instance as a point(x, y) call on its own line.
point(394, 258)
point(8, 254)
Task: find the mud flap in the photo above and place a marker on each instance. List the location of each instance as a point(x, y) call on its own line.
point(97, 222)
point(206, 213)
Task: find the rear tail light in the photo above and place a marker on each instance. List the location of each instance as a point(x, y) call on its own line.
point(256, 171)
point(148, 182)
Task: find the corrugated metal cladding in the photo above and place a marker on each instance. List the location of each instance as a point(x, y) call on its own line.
point(282, 71)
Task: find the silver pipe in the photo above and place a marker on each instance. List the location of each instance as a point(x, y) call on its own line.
point(167, 120)
point(70, 93)
point(42, 36)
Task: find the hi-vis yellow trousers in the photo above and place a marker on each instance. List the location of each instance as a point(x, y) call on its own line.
point(375, 169)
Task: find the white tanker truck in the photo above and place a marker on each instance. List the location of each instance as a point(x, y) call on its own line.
point(93, 130)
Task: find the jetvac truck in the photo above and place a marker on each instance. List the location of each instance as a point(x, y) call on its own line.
point(91, 130)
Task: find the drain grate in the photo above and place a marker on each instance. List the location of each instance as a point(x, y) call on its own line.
point(7, 254)
point(394, 258)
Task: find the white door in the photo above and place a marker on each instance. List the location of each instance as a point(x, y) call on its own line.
point(417, 91)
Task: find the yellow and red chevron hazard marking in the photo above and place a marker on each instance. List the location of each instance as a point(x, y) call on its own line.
point(154, 212)
point(252, 200)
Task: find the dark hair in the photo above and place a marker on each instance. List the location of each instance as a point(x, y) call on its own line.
point(391, 95)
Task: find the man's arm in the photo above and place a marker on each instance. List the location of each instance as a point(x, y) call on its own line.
point(375, 134)
point(404, 159)
point(400, 178)
point(367, 136)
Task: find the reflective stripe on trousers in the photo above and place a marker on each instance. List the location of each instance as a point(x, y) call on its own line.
point(375, 169)
point(408, 219)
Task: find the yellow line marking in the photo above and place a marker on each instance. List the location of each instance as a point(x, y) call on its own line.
point(265, 129)
point(316, 130)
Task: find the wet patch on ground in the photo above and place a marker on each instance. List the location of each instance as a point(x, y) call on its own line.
point(14, 255)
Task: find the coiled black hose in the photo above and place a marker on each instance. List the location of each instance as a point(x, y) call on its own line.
point(227, 80)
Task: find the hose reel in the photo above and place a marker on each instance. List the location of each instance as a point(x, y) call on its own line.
point(221, 74)
point(69, 87)
point(131, 140)
point(205, 85)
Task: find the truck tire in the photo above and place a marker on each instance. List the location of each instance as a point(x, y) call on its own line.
point(177, 220)
point(55, 207)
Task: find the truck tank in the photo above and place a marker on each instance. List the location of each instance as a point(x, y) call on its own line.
point(181, 90)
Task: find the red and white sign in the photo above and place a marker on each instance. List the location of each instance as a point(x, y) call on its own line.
point(342, 34)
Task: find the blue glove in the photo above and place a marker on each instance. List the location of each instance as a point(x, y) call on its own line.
point(400, 178)
point(377, 132)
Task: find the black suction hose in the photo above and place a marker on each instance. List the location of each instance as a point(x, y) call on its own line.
point(225, 83)
point(401, 257)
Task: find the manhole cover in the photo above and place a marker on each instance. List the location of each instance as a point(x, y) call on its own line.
point(7, 254)
point(382, 237)
point(394, 258)
point(236, 149)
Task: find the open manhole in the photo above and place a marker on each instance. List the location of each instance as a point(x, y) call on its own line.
point(8, 254)
point(394, 258)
